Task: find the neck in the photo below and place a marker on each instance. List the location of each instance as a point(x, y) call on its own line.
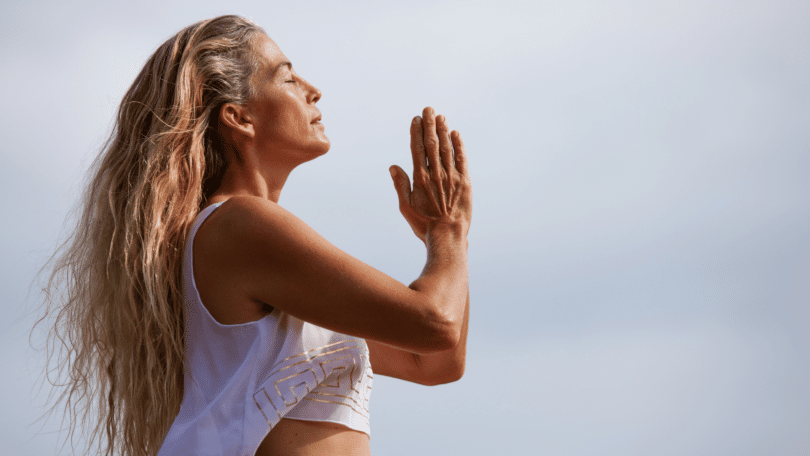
point(243, 179)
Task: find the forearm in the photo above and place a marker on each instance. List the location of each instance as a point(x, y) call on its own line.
point(438, 209)
point(446, 366)
point(444, 280)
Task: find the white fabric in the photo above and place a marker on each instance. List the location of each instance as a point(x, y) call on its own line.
point(240, 380)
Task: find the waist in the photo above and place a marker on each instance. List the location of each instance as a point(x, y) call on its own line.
point(292, 437)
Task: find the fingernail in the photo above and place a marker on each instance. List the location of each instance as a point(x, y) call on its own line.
point(417, 119)
point(392, 171)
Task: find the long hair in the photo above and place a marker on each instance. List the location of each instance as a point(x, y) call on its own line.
point(113, 289)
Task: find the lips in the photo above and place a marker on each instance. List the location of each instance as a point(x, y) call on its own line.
point(316, 120)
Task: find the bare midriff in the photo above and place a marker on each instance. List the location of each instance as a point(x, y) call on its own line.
point(313, 438)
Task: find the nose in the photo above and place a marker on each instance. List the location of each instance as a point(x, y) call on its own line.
point(313, 94)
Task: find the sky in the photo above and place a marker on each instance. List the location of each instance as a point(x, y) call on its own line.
point(640, 245)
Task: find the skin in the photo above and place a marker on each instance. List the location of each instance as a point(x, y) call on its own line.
point(251, 254)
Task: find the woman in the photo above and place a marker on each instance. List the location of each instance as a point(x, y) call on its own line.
point(200, 317)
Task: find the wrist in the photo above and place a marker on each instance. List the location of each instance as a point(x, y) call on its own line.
point(446, 234)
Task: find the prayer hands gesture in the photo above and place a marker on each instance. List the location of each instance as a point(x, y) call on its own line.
point(442, 191)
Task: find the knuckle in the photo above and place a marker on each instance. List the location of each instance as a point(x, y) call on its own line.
point(441, 174)
point(423, 179)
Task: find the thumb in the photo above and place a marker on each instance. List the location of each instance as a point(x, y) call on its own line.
point(402, 184)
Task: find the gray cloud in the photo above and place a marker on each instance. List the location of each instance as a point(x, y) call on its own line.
point(639, 250)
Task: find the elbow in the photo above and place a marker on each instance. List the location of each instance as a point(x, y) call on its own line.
point(446, 339)
point(448, 373)
point(445, 332)
point(452, 375)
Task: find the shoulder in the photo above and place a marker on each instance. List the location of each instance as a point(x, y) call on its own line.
point(245, 214)
point(242, 217)
point(237, 245)
point(245, 230)
point(240, 209)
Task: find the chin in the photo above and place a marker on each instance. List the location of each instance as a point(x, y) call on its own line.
point(324, 146)
point(316, 151)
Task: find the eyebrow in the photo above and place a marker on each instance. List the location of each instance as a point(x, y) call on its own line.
point(278, 67)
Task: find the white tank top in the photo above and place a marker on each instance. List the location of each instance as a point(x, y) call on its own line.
point(240, 380)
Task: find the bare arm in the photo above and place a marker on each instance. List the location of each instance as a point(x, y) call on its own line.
point(267, 255)
point(428, 369)
point(447, 365)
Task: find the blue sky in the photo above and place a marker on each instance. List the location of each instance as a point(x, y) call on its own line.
point(640, 246)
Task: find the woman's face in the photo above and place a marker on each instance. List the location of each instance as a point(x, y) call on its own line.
point(287, 123)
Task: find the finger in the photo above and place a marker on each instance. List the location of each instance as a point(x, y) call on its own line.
point(445, 146)
point(418, 148)
point(431, 140)
point(402, 185)
point(460, 153)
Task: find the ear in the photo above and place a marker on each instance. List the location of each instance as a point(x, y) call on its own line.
point(237, 119)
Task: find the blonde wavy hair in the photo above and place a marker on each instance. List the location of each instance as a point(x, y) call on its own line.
point(112, 296)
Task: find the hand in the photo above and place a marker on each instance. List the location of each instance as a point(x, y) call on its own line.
point(442, 191)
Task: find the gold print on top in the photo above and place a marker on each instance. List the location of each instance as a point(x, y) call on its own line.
point(338, 366)
point(332, 376)
point(261, 396)
point(314, 349)
point(359, 393)
point(294, 387)
point(342, 370)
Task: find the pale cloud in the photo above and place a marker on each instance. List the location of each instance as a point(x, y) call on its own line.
point(639, 249)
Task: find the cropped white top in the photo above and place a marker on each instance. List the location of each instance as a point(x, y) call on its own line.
point(240, 380)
